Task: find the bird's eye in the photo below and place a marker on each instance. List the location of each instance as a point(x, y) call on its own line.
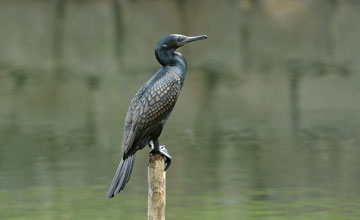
point(180, 39)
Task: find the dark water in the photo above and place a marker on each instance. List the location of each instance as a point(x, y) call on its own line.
point(267, 125)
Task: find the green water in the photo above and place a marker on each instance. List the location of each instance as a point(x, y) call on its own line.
point(267, 125)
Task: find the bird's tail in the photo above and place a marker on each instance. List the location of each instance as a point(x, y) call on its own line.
point(122, 176)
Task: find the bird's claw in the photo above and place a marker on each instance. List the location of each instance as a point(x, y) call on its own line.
point(163, 151)
point(167, 156)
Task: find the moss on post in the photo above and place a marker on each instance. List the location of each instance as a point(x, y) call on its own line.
point(157, 187)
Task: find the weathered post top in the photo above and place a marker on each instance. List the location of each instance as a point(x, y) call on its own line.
point(157, 187)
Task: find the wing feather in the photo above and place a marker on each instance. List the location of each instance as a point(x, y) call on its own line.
point(149, 108)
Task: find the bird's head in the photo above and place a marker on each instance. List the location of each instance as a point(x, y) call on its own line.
point(174, 41)
point(165, 48)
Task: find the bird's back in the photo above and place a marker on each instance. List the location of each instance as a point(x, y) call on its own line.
point(151, 106)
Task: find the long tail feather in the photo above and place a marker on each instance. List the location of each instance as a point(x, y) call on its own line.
point(122, 176)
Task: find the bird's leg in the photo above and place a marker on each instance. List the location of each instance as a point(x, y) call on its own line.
point(155, 148)
point(151, 145)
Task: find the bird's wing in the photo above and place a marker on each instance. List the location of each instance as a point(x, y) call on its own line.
point(129, 118)
point(152, 108)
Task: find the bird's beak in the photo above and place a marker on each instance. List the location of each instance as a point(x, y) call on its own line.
point(195, 38)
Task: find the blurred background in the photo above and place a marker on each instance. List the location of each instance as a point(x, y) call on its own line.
point(267, 125)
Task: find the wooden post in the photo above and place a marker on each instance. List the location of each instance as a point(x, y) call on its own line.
point(157, 187)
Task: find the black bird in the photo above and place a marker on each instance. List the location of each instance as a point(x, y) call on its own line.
point(151, 107)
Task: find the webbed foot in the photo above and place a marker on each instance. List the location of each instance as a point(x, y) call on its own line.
point(162, 151)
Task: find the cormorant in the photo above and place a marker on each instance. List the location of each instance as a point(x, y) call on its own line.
point(151, 107)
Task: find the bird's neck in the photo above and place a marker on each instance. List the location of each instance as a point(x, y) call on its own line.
point(171, 58)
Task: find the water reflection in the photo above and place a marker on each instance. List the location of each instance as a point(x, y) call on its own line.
point(59, 29)
point(19, 79)
point(207, 127)
point(330, 33)
point(118, 14)
point(248, 10)
point(294, 68)
point(183, 17)
point(298, 69)
point(93, 83)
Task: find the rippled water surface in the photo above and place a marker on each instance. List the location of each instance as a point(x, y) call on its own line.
point(267, 125)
